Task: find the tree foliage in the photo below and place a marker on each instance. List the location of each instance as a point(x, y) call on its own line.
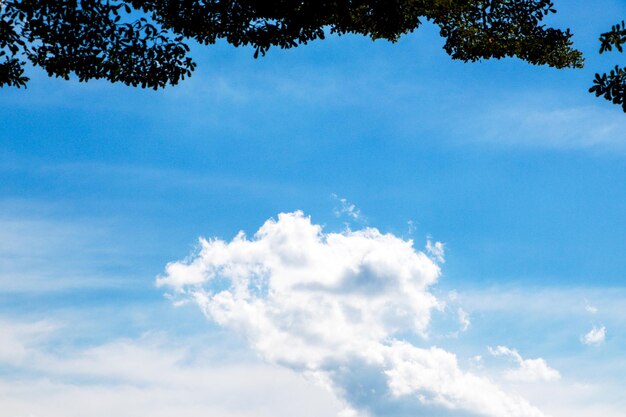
point(612, 86)
point(88, 38)
point(143, 42)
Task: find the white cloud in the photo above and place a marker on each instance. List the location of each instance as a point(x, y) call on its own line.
point(476, 362)
point(436, 251)
point(411, 227)
point(150, 376)
point(589, 308)
point(17, 337)
point(529, 370)
point(436, 372)
point(464, 319)
point(595, 336)
point(346, 208)
point(333, 306)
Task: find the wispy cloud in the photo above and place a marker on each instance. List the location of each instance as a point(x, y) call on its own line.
point(535, 124)
point(346, 208)
point(464, 319)
point(411, 227)
point(41, 254)
point(17, 337)
point(529, 370)
point(539, 302)
point(589, 308)
point(134, 175)
point(596, 336)
point(436, 251)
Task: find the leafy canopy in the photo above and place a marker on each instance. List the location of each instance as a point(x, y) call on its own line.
point(612, 86)
point(142, 42)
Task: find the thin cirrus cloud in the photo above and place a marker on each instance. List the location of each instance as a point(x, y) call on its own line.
point(535, 125)
point(337, 307)
point(30, 249)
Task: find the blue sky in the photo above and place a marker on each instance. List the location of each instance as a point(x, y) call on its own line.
point(516, 169)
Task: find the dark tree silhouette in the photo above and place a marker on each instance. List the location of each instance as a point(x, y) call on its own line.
point(142, 42)
point(612, 86)
point(89, 39)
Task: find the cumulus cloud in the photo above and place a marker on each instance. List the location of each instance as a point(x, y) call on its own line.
point(338, 307)
point(595, 336)
point(529, 370)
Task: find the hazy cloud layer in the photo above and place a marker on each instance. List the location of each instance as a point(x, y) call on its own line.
point(340, 308)
point(145, 376)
